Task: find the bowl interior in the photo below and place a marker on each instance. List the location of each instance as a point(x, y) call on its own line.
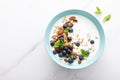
point(93, 20)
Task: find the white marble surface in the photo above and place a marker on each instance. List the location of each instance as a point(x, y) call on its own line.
point(22, 52)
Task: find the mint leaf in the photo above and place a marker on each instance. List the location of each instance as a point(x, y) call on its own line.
point(107, 18)
point(58, 43)
point(98, 11)
point(84, 53)
point(67, 29)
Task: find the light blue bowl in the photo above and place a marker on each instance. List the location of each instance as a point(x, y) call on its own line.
point(98, 26)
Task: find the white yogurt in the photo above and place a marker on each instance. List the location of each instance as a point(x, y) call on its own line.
point(83, 29)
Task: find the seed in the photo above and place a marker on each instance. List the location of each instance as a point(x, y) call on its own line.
point(79, 62)
point(96, 37)
point(69, 24)
point(64, 19)
point(72, 18)
point(89, 39)
point(65, 60)
point(82, 39)
point(77, 35)
point(75, 20)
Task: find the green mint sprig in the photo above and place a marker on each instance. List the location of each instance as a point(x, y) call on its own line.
point(107, 18)
point(98, 10)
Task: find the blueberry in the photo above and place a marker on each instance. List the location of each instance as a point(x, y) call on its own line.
point(68, 51)
point(81, 57)
point(54, 52)
point(67, 55)
point(71, 30)
point(69, 39)
point(77, 44)
point(60, 54)
point(66, 48)
point(61, 47)
point(74, 57)
point(65, 26)
point(92, 41)
point(52, 43)
point(62, 38)
point(64, 52)
point(70, 60)
point(71, 47)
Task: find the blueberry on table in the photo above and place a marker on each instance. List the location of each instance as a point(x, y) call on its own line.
point(81, 57)
point(71, 30)
point(54, 52)
point(61, 38)
point(74, 57)
point(70, 60)
point(77, 44)
point(71, 47)
point(60, 54)
point(52, 43)
point(69, 39)
point(65, 26)
point(92, 41)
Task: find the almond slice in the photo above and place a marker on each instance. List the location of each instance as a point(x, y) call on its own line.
point(72, 18)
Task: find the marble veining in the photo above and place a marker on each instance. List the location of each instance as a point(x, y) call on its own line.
point(33, 48)
point(22, 25)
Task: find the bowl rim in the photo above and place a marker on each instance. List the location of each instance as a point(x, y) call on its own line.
point(92, 19)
